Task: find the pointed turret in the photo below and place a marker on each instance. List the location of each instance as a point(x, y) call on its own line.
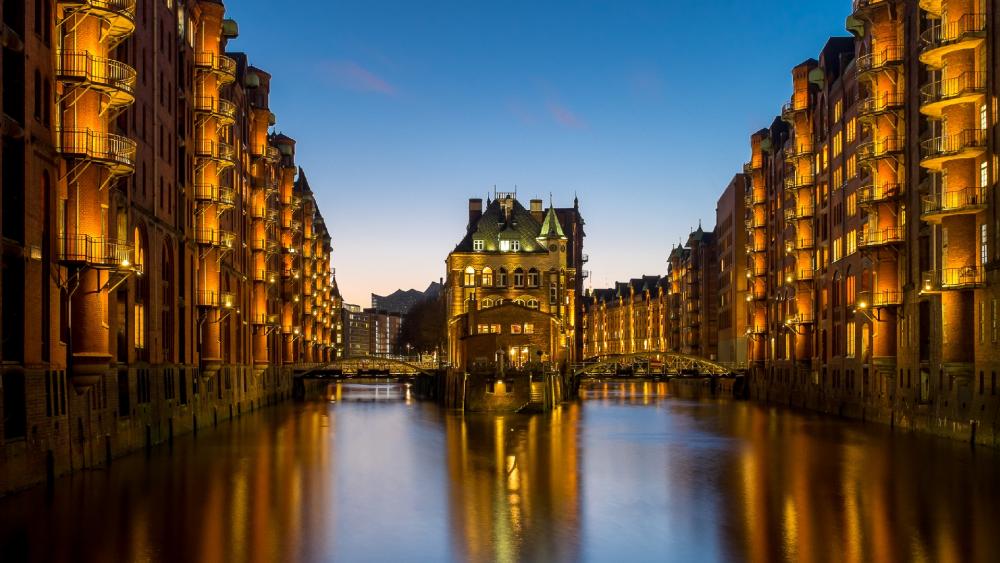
point(551, 228)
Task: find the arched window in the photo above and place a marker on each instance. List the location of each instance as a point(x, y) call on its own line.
point(533, 303)
point(519, 301)
point(519, 278)
point(487, 277)
point(470, 277)
point(487, 303)
point(501, 280)
point(533, 278)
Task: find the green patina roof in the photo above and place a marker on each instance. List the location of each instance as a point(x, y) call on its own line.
point(550, 226)
point(494, 225)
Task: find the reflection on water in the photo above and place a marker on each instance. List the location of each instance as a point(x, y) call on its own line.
point(627, 474)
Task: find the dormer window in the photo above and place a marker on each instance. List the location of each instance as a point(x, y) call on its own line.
point(505, 246)
point(515, 245)
point(478, 245)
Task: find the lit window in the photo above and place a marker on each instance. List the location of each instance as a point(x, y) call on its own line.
point(478, 245)
point(982, 116)
point(505, 246)
point(984, 174)
point(529, 328)
point(515, 329)
point(470, 277)
point(516, 246)
point(495, 329)
point(519, 278)
point(532, 278)
point(983, 247)
point(553, 294)
point(487, 277)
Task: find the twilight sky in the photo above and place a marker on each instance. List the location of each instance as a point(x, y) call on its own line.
point(405, 109)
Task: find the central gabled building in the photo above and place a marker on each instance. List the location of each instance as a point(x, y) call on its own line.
point(511, 288)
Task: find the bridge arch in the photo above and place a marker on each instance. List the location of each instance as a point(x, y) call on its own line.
point(360, 364)
point(669, 363)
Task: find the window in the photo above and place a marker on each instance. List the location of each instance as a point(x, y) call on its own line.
point(983, 247)
point(529, 328)
point(852, 242)
point(852, 204)
point(837, 245)
point(533, 278)
point(515, 329)
point(984, 174)
point(487, 277)
point(139, 327)
point(852, 167)
point(501, 280)
point(515, 245)
point(519, 278)
point(982, 322)
point(495, 329)
point(478, 245)
point(838, 110)
point(533, 303)
point(993, 321)
point(505, 246)
point(470, 277)
point(982, 117)
point(553, 294)
point(852, 128)
point(851, 335)
point(838, 143)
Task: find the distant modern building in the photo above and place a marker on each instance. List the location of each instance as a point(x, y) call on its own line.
point(384, 332)
point(400, 301)
point(357, 331)
point(511, 288)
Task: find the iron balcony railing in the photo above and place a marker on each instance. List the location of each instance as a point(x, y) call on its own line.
point(258, 211)
point(223, 110)
point(113, 77)
point(789, 109)
point(798, 181)
point(215, 237)
point(220, 152)
point(265, 275)
point(951, 145)
point(877, 193)
point(213, 298)
point(215, 194)
point(966, 84)
point(798, 213)
point(115, 151)
point(965, 28)
point(119, 14)
point(97, 252)
point(796, 150)
point(801, 319)
point(881, 59)
point(953, 278)
point(880, 237)
point(806, 243)
point(875, 105)
point(807, 274)
point(880, 148)
point(879, 299)
point(221, 65)
point(958, 201)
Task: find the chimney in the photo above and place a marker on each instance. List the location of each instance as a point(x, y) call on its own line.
point(475, 211)
point(536, 210)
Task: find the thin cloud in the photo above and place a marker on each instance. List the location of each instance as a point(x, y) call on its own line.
point(353, 76)
point(564, 117)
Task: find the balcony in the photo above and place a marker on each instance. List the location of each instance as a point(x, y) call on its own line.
point(865, 6)
point(264, 319)
point(886, 147)
point(215, 238)
point(756, 330)
point(265, 275)
point(799, 213)
point(796, 245)
point(213, 194)
point(223, 111)
point(292, 273)
point(879, 299)
point(968, 87)
point(799, 181)
point(756, 246)
point(873, 194)
point(216, 299)
point(951, 279)
point(750, 167)
point(881, 237)
point(790, 109)
point(798, 150)
point(119, 15)
point(758, 196)
point(113, 78)
point(756, 221)
point(801, 319)
point(874, 106)
point(267, 152)
point(223, 154)
point(295, 226)
point(941, 39)
point(970, 143)
point(258, 212)
point(96, 252)
point(115, 152)
point(264, 245)
point(223, 67)
point(881, 60)
point(968, 201)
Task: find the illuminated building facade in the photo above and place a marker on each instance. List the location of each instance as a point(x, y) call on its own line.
point(164, 264)
point(512, 288)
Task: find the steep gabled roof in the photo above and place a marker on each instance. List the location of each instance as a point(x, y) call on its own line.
point(494, 225)
point(551, 228)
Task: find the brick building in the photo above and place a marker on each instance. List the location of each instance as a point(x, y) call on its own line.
point(164, 264)
point(511, 288)
point(730, 240)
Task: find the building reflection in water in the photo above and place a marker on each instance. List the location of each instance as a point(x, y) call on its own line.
point(629, 473)
point(513, 486)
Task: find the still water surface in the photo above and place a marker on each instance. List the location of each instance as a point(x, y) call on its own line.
point(627, 474)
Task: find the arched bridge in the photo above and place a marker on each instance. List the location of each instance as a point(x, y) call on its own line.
point(369, 366)
point(650, 363)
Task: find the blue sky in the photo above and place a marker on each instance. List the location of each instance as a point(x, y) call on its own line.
point(403, 110)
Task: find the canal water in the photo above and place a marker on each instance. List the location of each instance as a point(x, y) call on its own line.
point(627, 474)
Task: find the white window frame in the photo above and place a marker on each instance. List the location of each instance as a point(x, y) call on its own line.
point(478, 245)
